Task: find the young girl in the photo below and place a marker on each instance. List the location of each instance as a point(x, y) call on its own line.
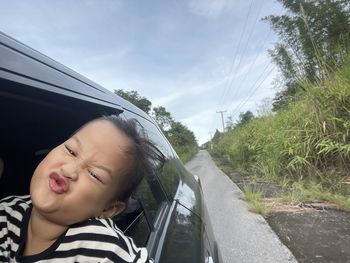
point(74, 192)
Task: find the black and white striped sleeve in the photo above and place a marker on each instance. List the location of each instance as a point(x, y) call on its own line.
point(12, 209)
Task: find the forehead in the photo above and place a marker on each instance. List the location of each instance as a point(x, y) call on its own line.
point(103, 139)
point(99, 128)
point(101, 142)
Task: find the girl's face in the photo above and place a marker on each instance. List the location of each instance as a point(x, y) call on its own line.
point(79, 179)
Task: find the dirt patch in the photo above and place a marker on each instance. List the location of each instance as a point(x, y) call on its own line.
point(314, 235)
point(315, 232)
point(268, 189)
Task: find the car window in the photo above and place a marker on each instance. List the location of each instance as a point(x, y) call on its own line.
point(152, 195)
point(168, 176)
point(142, 220)
point(143, 208)
point(32, 123)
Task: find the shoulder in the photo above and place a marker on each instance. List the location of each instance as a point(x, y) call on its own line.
point(15, 205)
point(106, 239)
point(12, 212)
point(16, 199)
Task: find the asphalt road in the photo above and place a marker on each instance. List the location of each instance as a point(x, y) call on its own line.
point(242, 236)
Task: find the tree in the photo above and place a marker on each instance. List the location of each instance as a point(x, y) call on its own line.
point(162, 117)
point(244, 118)
point(135, 98)
point(180, 135)
point(314, 36)
point(177, 133)
point(181, 138)
point(217, 136)
point(229, 123)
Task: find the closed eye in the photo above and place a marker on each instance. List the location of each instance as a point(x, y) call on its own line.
point(94, 175)
point(70, 151)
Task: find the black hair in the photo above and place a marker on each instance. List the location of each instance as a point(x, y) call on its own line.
point(146, 157)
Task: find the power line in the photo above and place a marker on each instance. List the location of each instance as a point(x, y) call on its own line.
point(250, 67)
point(256, 81)
point(239, 107)
point(236, 53)
point(230, 77)
point(245, 48)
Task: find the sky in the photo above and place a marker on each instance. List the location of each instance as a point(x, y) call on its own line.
point(194, 57)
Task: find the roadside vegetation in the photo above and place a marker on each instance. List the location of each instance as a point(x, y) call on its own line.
point(181, 138)
point(255, 200)
point(303, 144)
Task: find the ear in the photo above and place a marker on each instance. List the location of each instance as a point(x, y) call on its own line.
point(113, 210)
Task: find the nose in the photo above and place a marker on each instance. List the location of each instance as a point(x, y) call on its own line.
point(70, 170)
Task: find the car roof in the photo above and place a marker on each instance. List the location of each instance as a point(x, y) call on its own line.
point(25, 65)
point(42, 102)
point(39, 96)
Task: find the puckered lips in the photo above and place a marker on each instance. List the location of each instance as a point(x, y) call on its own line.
point(58, 183)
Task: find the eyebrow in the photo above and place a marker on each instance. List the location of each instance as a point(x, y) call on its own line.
point(77, 140)
point(109, 171)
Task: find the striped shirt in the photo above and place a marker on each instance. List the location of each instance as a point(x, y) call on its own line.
point(95, 240)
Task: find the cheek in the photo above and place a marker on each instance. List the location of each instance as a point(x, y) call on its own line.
point(93, 196)
point(44, 167)
point(52, 160)
point(38, 171)
point(38, 177)
point(85, 189)
point(87, 200)
point(113, 192)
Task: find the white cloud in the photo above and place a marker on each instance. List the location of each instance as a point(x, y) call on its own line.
point(198, 118)
point(207, 8)
point(197, 121)
point(186, 91)
point(167, 52)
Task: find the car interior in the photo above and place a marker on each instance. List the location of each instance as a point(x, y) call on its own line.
point(35, 121)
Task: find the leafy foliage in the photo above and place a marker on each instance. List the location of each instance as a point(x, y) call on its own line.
point(308, 139)
point(255, 200)
point(245, 118)
point(162, 117)
point(305, 143)
point(182, 139)
point(135, 98)
point(314, 37)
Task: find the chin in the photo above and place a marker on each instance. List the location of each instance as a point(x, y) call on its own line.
point(43, 199)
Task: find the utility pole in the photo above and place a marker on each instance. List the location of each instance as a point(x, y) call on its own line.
point(222, 119)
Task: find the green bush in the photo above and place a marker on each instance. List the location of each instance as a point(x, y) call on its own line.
point(309, 139)
point(185, 152)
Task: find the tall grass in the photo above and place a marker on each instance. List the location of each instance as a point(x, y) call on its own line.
point(309, 139)
point(313, 191)
point(254, 199)
point(186, 152)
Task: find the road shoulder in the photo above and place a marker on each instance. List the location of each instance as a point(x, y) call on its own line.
point(242, 236)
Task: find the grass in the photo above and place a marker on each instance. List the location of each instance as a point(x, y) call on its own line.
point(258, 207)
point(299, 192)
point(305, 146)
point(251, 195)
point(255, 200)
point(314, 192)
point(186, 153)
